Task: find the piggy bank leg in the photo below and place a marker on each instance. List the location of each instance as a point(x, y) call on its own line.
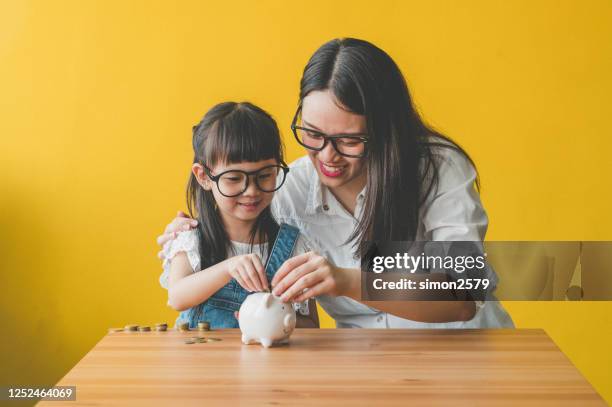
point(266, 342)
point(246, 340)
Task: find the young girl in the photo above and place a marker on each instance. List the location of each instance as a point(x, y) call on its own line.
point(237, 166)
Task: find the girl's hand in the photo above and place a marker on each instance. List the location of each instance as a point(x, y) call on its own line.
point(308, 275)
point(181, 223)
point(248, 271)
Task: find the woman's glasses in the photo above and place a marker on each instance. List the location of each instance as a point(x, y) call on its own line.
point(232, 183)
point(353, 145)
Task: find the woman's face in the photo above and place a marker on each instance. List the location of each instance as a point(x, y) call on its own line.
point(248, 205)
point(320, 111)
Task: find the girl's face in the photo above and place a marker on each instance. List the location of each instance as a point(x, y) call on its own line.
point(321, 112)
point(246, 206)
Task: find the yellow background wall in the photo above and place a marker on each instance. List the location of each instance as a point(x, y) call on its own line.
point(97, 99)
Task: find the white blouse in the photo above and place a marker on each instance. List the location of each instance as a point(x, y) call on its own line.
point(453, 213)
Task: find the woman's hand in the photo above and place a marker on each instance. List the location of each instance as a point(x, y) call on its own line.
point(310, 274)
point(181, 223)
point(248, 271)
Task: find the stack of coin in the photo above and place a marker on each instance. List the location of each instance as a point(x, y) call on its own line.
point(203, 326)
point(183, 326)
point(160, 327)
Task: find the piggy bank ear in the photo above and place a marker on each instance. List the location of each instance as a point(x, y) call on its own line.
point(268, 299)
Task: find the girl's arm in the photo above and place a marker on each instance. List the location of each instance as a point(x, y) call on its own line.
point(187, 289)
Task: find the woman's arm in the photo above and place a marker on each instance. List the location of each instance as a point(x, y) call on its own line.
point(316, 274)
point(441, 310)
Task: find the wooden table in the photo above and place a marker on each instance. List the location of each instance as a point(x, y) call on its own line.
point(336, 367)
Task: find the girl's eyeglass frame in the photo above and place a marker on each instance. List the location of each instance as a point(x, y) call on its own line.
point(215, 178)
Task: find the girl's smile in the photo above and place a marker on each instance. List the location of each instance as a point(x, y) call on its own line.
point(250, 206)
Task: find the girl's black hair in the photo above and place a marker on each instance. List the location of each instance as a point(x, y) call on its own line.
point(230, 132)
point(402, 169)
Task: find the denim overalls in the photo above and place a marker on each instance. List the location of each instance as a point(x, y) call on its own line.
point(219, 309)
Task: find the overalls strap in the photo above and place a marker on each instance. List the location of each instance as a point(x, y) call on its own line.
point(283, 247)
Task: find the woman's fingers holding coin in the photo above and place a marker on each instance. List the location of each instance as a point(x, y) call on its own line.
point(279, 281)
point(306, 282)
point(310, 265)
point(321, 288)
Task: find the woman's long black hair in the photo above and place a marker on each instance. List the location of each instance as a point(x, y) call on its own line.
point(230, 132)
point(401, 167)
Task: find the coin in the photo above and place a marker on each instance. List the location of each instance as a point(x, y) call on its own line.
point(131, 328)
point(115, 330)
point(203, 326)
point(183, 326)
point(189, 341)
point(161, 328)
point(213, 339)
point(200, 339)
point(144, 329)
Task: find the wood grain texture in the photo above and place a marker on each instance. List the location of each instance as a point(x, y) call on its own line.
point(348, 367)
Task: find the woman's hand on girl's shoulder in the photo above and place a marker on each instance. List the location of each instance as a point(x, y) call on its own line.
point(181, 223)
point(248, 271)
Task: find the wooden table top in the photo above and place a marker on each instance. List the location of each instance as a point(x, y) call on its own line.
point(347, 367)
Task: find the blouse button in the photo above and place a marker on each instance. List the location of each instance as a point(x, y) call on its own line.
point(325, 207)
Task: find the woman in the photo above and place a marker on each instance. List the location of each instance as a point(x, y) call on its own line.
point(374, 172)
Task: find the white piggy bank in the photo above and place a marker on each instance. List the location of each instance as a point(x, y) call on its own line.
point(264, 318)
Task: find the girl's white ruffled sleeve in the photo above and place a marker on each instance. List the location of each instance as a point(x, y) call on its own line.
point(185, 242)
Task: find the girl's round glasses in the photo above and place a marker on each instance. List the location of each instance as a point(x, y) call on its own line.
point(232, 183)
